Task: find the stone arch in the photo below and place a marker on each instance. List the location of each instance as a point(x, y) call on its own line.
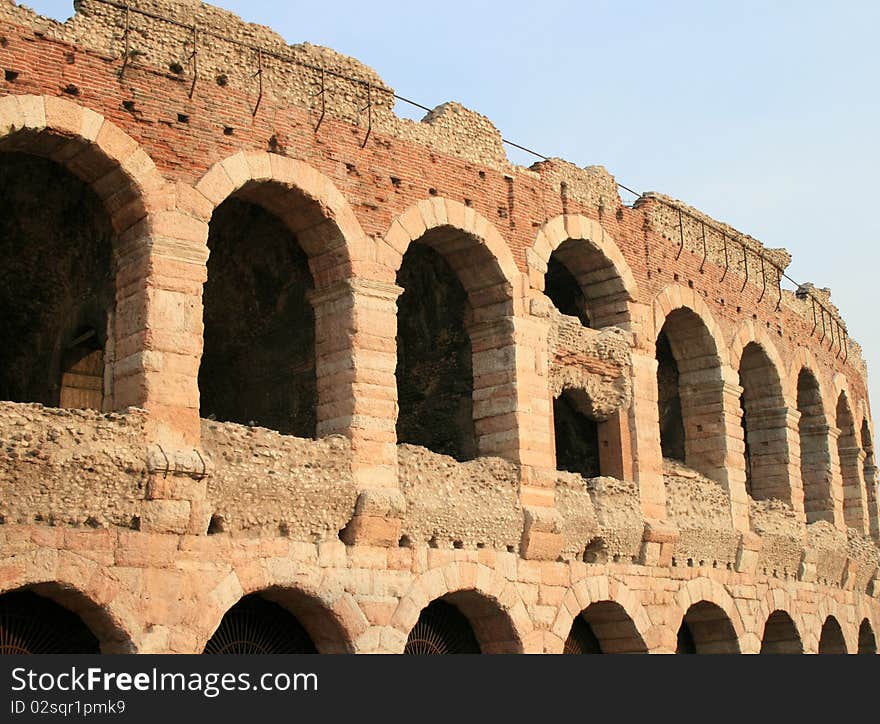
point(676, 296)
point(593, 258)
point(851, 459)
point(867, 638)
point(831, 638)
point(768, 424)
point(491, 604)
point(711, 616)
point(94, 605)
point(330, 616)
point(139, 205)
point(776, 600)
point(781, 635)
point(303, 198)
point(441, 249)
point(630, 628)
point(814, 622)
point(307, 246)
point(691, 359)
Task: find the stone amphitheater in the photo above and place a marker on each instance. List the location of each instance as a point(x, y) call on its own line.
point(285, 372)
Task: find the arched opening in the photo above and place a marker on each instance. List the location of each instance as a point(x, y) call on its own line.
point(669, 402)
point(815, 458)
point(867, 641)
point(258, 364)
point(453, 345)
point(33, 624)
point(582, 282)
point(870, 474)
point(689, 393)
point(564, 291)
point(781, 635)
point(849, 455)
point(464, 622)
point(764, 426)
point(832, 641)
point(706, 629)
point(604, 628)
point(57, 287)
point(255, 625)
point(576, 433)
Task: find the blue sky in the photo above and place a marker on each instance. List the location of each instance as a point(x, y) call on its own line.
point(763, 114)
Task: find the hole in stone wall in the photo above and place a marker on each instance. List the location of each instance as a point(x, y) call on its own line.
point(395, 182)
point(434, 358)
point(176, 68)
point(564, 291)
point(258, 365)
point(442, 629)
point(182, 118)
point(815, 459)
point(57, 286)
point(216, 525)
point(576, 435)
point(228, 130)
point(10, 75)
point(222, 80)
point(848, 452)
point(867, 641)
point(128, 105)
point(762, 403)
point(832, 640)
point(604, 628)
point(706, 629)
point(672, 441)
point(71, 89)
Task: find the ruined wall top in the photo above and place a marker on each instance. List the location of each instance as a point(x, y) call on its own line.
point(198, 43)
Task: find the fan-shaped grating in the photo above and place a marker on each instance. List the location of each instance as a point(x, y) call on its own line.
point(31, 624)
point(442, 629)
point(581, 639)
point(257, 626)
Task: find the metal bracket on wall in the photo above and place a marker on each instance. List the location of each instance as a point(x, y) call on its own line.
point(259, 76)
point(126, 49)
point(369, 109)
point(705, 247)
point(322, 94)
point(763, 280)
point(194, 57)
point(745, 264)
point(726, 257)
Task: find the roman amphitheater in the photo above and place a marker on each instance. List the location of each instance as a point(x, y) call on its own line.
point(283, 371)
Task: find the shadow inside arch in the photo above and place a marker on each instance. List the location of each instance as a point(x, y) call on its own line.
point(53, 618)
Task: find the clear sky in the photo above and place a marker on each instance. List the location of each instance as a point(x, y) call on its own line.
point(762, 114)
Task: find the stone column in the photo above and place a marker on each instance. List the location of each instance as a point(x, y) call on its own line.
point(513, 418)
point(733, 473)
point(870, 475)
point(644, 427)
point(855, 499)
point(356, 360)
point(158, 347)
point(836, 479)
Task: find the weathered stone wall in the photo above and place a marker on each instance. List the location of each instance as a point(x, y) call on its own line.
point(462, 505)
point(71, 467)
point(265, 484)
point(250, 509)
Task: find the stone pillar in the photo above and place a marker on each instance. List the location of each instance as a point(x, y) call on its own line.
point(733, 474)
point(513, 418)
point(615, 447)
point(836, 477)
point(158, 347)
point(356, 360)
point(855, 499)
point(644, 426)
point(774, 447)
point(816, 472)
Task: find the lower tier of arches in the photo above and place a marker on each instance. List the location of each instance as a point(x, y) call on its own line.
point(135, 592)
